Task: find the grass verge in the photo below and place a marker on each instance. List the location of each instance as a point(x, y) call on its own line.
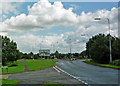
point(102, 65)
point(53, 84)
point(6, 82)
point(14, 69)
point(39, 64)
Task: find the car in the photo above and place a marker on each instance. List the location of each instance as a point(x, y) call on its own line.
point(73, 59)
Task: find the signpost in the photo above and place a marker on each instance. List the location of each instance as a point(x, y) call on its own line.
point(45, 52)
point(4, 67)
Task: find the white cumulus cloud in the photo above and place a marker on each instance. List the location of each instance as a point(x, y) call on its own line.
point(44, 15)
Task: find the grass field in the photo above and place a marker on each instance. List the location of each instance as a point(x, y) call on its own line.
point(102, 65)
point(53, 84)
point(39, 64)
point(6, 82)
point(14, 69)
point(31, 64)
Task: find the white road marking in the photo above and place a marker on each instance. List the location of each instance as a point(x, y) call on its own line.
point(56, 69)
point(72, 76)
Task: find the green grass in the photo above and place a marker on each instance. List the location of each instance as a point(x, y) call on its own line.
point(53, 84)
point(82, 59)
point(32, 65)
point(39, 64)
point(6, 82)
point(102, 65)
point(14, 69)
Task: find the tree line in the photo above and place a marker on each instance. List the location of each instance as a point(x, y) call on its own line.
point(10, 53)
point(97, 48)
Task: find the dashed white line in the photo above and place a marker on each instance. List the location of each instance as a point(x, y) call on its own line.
point(72, 76)
point(56, 69)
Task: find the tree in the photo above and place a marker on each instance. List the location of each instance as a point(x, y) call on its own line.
point(57, 54)
point(83, 53)
point(25, 56)
point(9, 50)
point(0, 49)
point(75, 55)
point(36, 56)
point(116, 49)
point(98, 48)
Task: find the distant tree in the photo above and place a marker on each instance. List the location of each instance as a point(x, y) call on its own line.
point(30, 55)
point(83, 53)
point(57, 54)
point(36, 56)
point(76, 55)
point(19, 54)
point(25, 56)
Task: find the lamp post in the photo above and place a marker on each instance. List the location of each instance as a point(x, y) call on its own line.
point(33, 51)
point(70, 48)
point(109, 37)
point(41, 47)
point(57, 46)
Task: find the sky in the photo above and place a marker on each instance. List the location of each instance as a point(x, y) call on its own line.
point(56, 25)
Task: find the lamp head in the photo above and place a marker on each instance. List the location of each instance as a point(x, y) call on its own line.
point(97, 18)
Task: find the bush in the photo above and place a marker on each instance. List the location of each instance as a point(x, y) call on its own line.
point(116, 62)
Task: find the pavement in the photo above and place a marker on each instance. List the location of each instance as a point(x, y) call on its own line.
point(89, 73)
point(49, 75)
point(26, 68)
point(4, 76)
point(70, 72)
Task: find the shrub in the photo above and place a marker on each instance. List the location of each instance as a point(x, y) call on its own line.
point(116, 62)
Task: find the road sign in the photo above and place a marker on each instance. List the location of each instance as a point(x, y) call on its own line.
point(44, 52)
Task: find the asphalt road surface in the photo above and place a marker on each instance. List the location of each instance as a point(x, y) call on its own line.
point(89, 73)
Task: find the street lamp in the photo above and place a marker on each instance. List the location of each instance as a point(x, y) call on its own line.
point(33, 51)
point(41, 46)
point(70, 48)
point(57, 46)
point(56, 49)
point(109, 37)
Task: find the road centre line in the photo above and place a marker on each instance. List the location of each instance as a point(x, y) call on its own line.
point(56, 69)
point(72, 76)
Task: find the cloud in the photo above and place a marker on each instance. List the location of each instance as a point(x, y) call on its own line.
point(31, 43)
point(3, 34)
point(44, 15)
point(8, 7)
point(4, 16)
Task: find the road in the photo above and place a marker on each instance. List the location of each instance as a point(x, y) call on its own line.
point(89, 73)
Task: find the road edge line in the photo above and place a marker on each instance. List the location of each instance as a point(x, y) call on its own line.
point(56, 69)
point(73, 76)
